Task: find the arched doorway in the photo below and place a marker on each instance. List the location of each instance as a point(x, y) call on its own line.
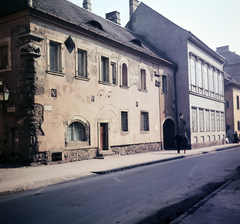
point(168, 134)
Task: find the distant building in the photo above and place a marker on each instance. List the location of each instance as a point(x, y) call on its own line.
point(232, 90)
point(233, 62)
point(199, 78)
point(80, 85)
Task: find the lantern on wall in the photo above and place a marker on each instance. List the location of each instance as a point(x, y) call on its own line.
point(4, 94)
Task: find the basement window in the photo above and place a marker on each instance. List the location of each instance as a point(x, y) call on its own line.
point(56, 156)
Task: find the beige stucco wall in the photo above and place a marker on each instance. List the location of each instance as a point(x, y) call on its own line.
point(73, 99)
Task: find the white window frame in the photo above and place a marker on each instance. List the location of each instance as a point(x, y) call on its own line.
point(164, 84)
point(102, 79)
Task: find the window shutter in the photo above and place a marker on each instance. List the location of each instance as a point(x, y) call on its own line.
point(124, 119)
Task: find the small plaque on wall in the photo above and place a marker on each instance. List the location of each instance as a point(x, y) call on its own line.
point(48, 108)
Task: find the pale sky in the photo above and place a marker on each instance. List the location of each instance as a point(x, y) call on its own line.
point(215, 22)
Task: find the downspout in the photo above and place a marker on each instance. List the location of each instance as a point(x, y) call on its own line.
point(160, 125)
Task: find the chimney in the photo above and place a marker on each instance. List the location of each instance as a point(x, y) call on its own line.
point(114, 17)
point(133, 4)
point(87, 5)
point(223, 49)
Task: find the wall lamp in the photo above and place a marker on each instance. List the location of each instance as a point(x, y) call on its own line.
point(181, 116)
point(4, 94)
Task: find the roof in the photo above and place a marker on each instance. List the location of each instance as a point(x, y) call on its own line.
point(228, 80)
point(168, 23)
point(85, 19)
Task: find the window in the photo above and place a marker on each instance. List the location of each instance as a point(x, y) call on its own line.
point(3, 57)
point(238, 102)
point(104, 69)
point(200, 76)
point(207, 118)
point(144, 121)
point(227, 104)
point(193, 71)
point(238, 125)
point(124, 75)
point(164, 84)
point(218, 120)
point(213, 120)
point(201, 120)
point(222, 121)
point(55, 57)
point(124, 121)
point(143, 79)
point(205, 74)
point(220, 84)
point(76, 132)
point(81, 63)
point(210, 79)
point(216, 82)
point(114, 73)
point(194, 119)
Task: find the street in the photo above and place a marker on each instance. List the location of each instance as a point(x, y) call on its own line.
point(130, 196)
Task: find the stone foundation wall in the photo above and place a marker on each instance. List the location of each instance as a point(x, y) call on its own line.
point(137, 148)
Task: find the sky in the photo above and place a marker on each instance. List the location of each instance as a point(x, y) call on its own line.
point(215, 22)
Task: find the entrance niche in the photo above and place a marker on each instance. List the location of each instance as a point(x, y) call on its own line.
point(168, 134)
point(103, 136)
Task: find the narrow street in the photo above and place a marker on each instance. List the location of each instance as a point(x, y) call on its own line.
point(139, 195)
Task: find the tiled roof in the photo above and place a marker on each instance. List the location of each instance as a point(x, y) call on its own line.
point(81, 17)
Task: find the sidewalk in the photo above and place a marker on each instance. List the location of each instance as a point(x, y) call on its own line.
point(26, 178)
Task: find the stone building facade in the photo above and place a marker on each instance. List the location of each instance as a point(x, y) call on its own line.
point(80, 85)
point(200, 105)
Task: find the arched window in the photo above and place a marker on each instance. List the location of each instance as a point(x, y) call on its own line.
point(124, 75)
point(76, 132)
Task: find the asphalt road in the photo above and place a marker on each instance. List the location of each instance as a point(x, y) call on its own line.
point(132, 196)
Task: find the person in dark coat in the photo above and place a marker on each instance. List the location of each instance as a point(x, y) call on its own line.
point(178, 139)
point(185, 142)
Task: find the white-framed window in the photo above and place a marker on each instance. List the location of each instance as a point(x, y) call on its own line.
point(104, 74)
point(164, 84)
point(213, 120)
point(216, 83)
point(143, 85)
point(201, 120)
point(194, 120)
point(144, 121)
point(199, 74)
point(210, 71)
point(114, 73)
point(218, 120)
point(193, 70)
point(124, 121)
point(220, 83)
point(81, 63)
point(205, 76)
point(55, 56)
point(222, 121)
point(207, 119)
point(5, 54)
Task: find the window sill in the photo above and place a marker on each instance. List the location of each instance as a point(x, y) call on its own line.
point(82, 78)
point(5, 69)
point(124, 87)
point(55, 73)
point(77, 144)
point(144, 132)
point(105, 83)
point(143, 90)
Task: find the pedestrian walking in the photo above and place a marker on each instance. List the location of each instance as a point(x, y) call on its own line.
point(178, 139)
point(185, 142)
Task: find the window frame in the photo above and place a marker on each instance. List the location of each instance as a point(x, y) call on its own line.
point(114, 75)
point(194, 121)
point(201, 120)
point(61, 57)
point(143, 128)
point(164, 84)
point(85, 61)
point(127, 121)
point(104, 77)
point(207, 120)
point(143, 80)
point(213, 121)
point(124, 72)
